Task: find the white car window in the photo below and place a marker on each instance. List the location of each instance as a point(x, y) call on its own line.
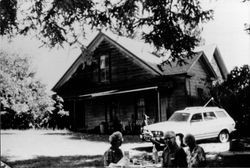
point(209, 115)
point(196, 117)
point(221, 114)
point(179, 117)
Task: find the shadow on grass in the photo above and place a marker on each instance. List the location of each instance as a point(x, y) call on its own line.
point(144, 149)
point(61, 161)
point(7, 133)
point(104, 138)
point(95, 137)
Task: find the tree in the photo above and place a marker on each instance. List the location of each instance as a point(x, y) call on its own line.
point(59, 118)
point(234, 96)
point(247, 25)
point(170, 25)
point(23, 98)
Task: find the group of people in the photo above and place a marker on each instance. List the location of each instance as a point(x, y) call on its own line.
point(173, 154)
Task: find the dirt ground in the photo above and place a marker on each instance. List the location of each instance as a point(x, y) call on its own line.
point(62, 148)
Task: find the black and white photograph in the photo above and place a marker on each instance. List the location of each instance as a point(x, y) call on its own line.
point(124, 83)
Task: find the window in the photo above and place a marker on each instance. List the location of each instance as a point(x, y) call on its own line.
point(209, 116)
point(221, 114)
point(179, 117)
point(196, 117)
point(200, 92)
point(104, 68)
point(140, 108)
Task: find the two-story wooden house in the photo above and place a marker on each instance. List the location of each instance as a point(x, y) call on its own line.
point(120, 79)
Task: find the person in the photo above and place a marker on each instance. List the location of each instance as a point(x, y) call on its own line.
point(145, 120)
point(114, 153)
point(196, 156)
point(173, 155)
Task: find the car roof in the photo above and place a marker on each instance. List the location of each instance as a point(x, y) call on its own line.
point(197, 109)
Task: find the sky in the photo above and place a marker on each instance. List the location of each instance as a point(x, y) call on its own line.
point(226, 31)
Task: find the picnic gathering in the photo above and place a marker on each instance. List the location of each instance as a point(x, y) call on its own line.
point(173, 154)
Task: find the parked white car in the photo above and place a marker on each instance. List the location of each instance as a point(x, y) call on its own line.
point(202, 122)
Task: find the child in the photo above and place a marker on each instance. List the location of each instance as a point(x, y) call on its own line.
point(114, 153)
point(196, 156)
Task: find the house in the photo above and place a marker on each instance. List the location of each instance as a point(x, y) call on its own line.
point(118, 80)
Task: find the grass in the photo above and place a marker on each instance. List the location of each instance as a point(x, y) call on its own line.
point(96, 160)
point(67, 160)
point(60, 161)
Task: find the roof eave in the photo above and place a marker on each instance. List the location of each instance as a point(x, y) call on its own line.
point(63, 78)
point(221, 63)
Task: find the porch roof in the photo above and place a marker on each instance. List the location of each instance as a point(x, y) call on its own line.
point(117, 91)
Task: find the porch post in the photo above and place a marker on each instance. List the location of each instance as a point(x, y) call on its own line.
point(158, 104)
point(74, 114)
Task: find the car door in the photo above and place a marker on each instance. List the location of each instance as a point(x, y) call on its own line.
point(211, 124)
point(196, 126)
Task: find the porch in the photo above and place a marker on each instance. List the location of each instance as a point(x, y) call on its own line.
point(108, 111)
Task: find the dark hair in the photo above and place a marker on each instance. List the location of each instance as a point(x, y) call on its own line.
point(190, 138)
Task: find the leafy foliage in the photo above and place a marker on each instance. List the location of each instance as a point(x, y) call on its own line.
point(59, 117)
point(23, 98)
point(8, 16)
point(234, 95)
point(247, 25)
point(173, 25)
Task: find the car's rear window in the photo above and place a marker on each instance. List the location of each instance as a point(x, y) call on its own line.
point(179, 117)
point(221, 114)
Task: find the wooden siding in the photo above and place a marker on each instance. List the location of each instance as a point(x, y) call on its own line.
point(124, 70)
point(95, 112)
point(123, 67)
point(174, 100)
point(200, 80)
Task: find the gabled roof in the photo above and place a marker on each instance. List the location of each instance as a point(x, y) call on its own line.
point(128, 46)
point(141, 53)
point(212, 52)
point(137, 49)
point(175, 69)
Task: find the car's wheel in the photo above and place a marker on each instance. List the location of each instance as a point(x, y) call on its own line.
point(223, 136)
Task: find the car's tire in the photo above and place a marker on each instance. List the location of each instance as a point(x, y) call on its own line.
point(223, 136)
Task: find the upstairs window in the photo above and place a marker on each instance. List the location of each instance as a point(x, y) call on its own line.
point(104, 69)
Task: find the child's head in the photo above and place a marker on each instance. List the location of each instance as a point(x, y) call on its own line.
point(190, 140)
point(116, 139)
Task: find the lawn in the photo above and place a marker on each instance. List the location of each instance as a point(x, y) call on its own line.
point(56, 148)
point(62, 148)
